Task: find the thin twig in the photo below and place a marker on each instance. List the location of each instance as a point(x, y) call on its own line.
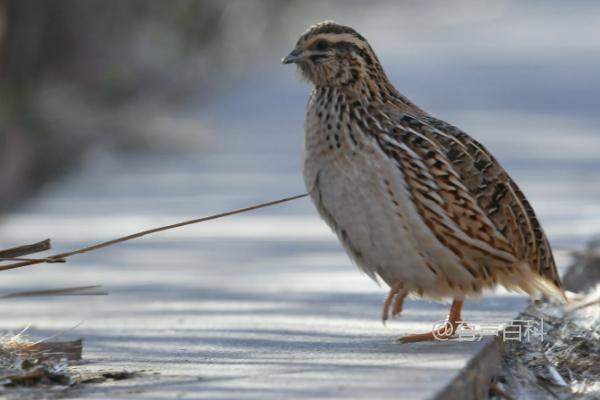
point(60, 256)
point(72, 291)
point(47, 260)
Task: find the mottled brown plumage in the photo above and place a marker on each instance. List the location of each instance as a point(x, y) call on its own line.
point(413, 199)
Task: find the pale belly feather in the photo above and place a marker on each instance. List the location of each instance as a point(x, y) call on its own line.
point(355, 193)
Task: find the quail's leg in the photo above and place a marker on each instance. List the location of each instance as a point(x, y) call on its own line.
point(396, 296)
point(445, 332)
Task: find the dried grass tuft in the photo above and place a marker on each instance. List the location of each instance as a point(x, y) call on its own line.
point(566, 364)
point(27, 363)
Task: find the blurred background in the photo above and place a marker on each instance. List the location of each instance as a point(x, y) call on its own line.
point(119, 115)
point(198, 85)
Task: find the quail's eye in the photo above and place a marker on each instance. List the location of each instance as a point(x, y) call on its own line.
point(322, 45)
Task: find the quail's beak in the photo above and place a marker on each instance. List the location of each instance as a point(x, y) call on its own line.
point(291, 58)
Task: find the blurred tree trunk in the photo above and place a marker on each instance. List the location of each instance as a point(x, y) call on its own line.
point(76, 62)
point(37, 39)
point(34, 41)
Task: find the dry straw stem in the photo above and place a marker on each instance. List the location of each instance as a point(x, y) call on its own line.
point(19, 251)
point(70, 291)
point(60, 257)
point(14, 254)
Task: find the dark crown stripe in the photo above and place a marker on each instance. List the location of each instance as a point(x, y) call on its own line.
point(335, 29)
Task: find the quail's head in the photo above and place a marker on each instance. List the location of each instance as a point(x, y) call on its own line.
point(329, 54)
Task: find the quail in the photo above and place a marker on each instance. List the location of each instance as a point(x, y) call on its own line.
point(414, 200)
